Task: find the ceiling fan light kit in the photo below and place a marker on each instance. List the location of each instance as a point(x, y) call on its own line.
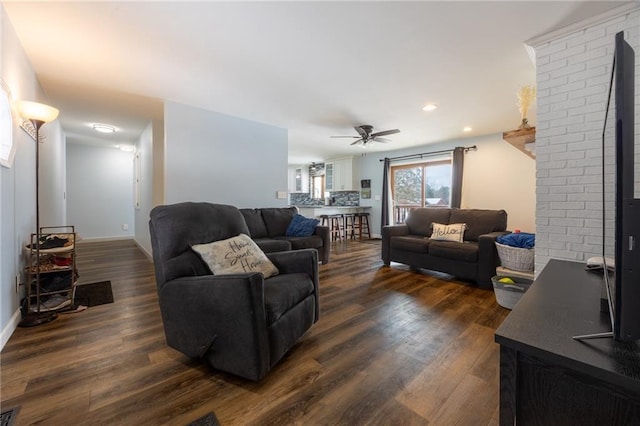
point(366, 135)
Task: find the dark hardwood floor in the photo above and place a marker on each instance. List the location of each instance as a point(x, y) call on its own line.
point(393, 347)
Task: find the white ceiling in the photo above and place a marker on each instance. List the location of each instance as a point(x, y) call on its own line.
point(314, 68)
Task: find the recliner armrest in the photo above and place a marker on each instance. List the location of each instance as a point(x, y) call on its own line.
point(389, 231)
point(196, 323)
point(300, 261)
point(487, 257)
point(324, 232)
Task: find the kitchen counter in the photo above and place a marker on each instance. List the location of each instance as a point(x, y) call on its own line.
point(333, 207)
point(316, 211)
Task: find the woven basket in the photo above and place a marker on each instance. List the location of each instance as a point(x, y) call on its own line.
point(508, 295)
point(516, 258)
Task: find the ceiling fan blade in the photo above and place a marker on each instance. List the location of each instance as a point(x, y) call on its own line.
point(352, 137)
point(381, 140)
point(359, 141)
point(385, 132)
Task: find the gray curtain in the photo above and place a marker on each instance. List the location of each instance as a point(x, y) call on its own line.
point(456, 178)
point(387, 216)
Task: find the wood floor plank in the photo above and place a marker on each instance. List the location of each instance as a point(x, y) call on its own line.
point(394, 346)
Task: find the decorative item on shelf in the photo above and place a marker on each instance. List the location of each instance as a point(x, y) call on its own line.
point(526, 95)
point(37, 115)
point(365, 192)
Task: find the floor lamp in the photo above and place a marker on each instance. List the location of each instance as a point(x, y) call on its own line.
point(37, 114)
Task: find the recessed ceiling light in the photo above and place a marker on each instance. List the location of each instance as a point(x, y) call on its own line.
point(467, 129)
point(103, 128)
point(429, 107)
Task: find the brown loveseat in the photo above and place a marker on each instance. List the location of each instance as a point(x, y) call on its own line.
point(268, 226)
point(474, 259)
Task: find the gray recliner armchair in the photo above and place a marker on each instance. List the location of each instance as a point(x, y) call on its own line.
point(242, 323)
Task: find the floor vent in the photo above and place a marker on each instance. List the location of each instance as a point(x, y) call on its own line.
point(8, 417)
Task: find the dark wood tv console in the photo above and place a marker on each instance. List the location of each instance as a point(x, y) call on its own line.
point(547, 377)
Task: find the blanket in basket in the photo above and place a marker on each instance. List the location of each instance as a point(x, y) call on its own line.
point(518, 239)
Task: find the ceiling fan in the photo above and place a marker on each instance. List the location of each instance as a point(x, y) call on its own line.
point(365, 135)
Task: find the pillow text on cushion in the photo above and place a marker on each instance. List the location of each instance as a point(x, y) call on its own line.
point(235, 255)
point(452, 232)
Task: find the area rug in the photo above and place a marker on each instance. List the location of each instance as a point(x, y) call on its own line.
point(93, 294)
point(8, 417)
point(208, 420)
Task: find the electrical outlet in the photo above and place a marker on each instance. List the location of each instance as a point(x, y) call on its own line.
point(125, 227)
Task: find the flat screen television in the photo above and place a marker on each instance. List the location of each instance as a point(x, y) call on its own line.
point(621, 208)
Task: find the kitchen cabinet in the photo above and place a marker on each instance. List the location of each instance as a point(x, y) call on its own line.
point(329, 176)
point(339, 176)
point(298, 178)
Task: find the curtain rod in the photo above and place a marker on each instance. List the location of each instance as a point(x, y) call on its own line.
point(427, 154)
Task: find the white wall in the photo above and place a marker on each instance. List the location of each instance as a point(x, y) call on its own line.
point(100, 191)
point(17, 205)
point(223, 159)
point(496, 176)
point(573, 71)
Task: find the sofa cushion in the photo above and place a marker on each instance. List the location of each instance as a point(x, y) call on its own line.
point(415, 243)
point(235, 255)
point(277, 219)
point(479, 222)
point(253, 217)
point(283, 292)
point(419, 221)
point(270, 245)
point(301, 226)
point(466, 251)
point(297, 243)
point(452, 232)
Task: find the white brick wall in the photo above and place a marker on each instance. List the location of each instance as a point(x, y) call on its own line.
point(573, 72)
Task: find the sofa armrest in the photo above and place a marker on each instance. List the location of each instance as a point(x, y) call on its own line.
point(300, 261)
point(389, 231)
point(204, 313)
point(324, 233)
point(487, 258)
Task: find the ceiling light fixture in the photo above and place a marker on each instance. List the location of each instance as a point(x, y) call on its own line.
point(103, 128)
point(467, 129)
point(429, 107)
point(127, 148)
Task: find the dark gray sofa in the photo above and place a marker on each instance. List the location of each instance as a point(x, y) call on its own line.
point(474, 259)
point(238, 323)
point(268, 226)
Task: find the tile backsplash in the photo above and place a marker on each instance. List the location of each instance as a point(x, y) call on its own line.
point(338, 198)
point(304, 199)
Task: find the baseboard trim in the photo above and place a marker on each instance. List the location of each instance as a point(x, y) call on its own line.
point(7, 332)
point(102, 239)
point(144, 250)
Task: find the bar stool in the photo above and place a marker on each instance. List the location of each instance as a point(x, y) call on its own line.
point(362, 225)
point(336, 226)
point(324, 218)
point(349, 225)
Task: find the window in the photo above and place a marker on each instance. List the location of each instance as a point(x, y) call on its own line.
point(7, 148)
point(420, 185)
point(317, 187)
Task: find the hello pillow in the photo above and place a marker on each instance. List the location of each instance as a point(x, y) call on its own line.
point(452, 232)
point(235, 255)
